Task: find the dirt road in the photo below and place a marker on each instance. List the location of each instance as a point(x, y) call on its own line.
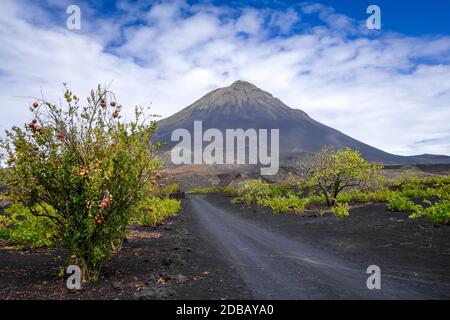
point(274, 264)
point(216, 250)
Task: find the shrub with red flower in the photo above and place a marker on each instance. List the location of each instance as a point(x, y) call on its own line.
point(85, 164)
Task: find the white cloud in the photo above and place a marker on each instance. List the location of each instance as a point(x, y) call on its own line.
point(390, 91)
point(249, 22)
point(284, 21)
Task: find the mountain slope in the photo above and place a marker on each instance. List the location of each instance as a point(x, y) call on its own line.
point(243, 105)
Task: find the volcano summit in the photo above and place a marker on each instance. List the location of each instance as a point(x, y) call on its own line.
point(244, 106)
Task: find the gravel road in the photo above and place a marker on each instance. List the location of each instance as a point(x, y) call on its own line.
point(274, 265)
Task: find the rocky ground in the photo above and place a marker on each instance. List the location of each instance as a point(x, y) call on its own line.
point(291, 256)
point(181, 259)
point(167, 262)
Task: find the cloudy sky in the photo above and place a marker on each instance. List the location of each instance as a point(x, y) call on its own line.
point(389, 88)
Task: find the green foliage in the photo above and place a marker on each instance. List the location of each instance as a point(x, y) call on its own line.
point(340, 210)
point(343, 177)
point(302, 185)
point(438, 212)
point(399, 203)
point(407, 177)
point(153, 211)
point(412, 187)
point(206, 190)
point(252, 192)
point(168, 190)
point(411, 178)
point(415, 190)
point(317, 199)
point(363, 196)
point(434, 181)
point(281, 189)
point(278, 197)
point(90, 167)
point(333, 171)
point(282, 204)
point(20, 227)
point(443, 192)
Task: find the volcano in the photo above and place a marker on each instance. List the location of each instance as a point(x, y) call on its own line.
point(243, 105)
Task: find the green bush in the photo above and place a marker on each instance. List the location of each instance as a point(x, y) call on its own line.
point(230, 191)
point(88, 164)
point(340, 210)
point(443, 192)
point(281, 189)
point(399, 203)
point(153, 211)
point(363, 196)
point(438, 212)
point(411, 186)
point(20, 227)
point(169, 190)
point(411, 190)
point(333, 171)
point(281, 204)
point(407, 177)
point(317, 199)
point(433, 181)
point(302, 186)
point(252, 192)
point(206, 190)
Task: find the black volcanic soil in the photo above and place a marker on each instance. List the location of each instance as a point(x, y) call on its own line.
point(177, 260)
point(415, 251)
point(167, 262)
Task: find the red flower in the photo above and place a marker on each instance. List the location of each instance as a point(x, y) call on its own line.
point(104, 203)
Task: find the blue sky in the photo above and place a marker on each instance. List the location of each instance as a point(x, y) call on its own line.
point(412, 17)
point(389, 88)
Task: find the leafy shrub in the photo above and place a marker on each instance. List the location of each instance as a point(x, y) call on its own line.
point(169, 190)
point(153, 211)
point(438, 212)
point(302, 186)
point(20, 227)
point(444, 192)
point(281, 204)
point(334, 171)
point(340, 210)
point(429, 181)
point(399, 203)
point(206, 190)
point(278, 197)
point(408, 177)
point(281, 189)
point(89, 166)
point(229, 191)
point(413, 187)
point(297, 204)
point(253, 192)
point(317, 199)
point(363, 196)
point(417, 191)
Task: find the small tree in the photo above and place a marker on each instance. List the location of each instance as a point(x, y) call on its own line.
point(83, 168)
point(333, 171)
